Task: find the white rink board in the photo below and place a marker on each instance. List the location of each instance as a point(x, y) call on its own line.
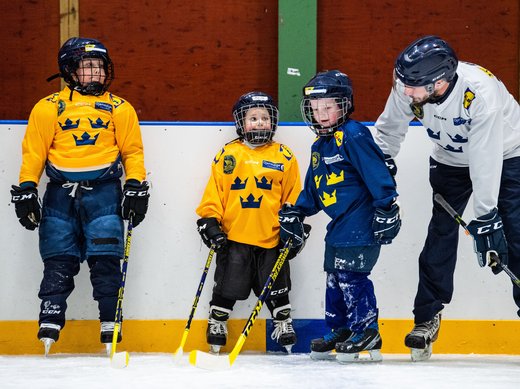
point(167, 255)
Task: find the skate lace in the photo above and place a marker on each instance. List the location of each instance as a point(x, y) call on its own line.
point(107, 326)
point(427, 329)
point(217, 327)
point(282, 327)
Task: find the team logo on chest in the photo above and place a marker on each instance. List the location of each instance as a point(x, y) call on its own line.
point(417, 110)
point(315, 160)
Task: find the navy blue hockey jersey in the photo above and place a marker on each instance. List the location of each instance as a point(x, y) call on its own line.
point(347, 178)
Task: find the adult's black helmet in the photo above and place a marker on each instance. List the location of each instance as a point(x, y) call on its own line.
point(255, 100)
point(70, 55)
point(426, 61)
point(328, 84)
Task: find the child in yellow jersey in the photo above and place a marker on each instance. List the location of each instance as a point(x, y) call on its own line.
point(82, 136)
point(251, 178)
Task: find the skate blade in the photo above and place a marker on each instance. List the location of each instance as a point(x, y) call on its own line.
point(47, 343)
point(214, 349)
point(368, 356)
point(120, 360)
point(288, 348)
point(108, 348)
point(420, 354)
point(323, 356)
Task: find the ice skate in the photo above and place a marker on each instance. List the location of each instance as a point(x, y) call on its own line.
point(48, 334)
point(216, 333)
point(107, 333)
point(283, 332)
point(369, 340)
point(421, 338)
point(322, 348)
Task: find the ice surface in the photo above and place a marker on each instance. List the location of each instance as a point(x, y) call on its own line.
point(260, 371)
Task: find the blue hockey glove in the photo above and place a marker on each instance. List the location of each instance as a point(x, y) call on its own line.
point(291, 225)
point(386, 224)
point(135, 201)
point(211, 233)
point(294, 251)
point(489, 237)
point(27, 204)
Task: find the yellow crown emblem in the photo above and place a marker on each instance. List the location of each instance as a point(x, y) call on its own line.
point(335, 178)
point(328, 199)
point(317, 180)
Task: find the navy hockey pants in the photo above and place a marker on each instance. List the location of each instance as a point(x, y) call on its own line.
point(439, 255)
point(80, 221)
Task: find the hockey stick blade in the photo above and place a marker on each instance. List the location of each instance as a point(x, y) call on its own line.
point(120, 360)
point(209, 361)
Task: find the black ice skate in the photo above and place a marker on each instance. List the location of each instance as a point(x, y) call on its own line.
point(322, 348)
point(107, 334)
point(369, 340)
point(283, 332)
point(216, 333)
point(421, 338)
point(48, 334)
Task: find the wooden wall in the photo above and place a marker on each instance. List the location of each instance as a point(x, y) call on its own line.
point(189, 61)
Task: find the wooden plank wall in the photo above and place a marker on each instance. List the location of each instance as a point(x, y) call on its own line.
point(189, 61)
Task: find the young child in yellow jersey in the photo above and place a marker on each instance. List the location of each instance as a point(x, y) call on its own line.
point(251, 178)
point(82, 136)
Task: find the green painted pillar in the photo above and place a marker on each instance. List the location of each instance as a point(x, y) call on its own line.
point(296, 53)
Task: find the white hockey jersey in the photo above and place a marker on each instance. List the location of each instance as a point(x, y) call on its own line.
point(476, 126)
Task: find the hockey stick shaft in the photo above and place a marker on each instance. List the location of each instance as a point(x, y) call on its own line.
point(121, 293)
point(197, 297)
point(261, 300)
point(447, 207)
point(213, 362)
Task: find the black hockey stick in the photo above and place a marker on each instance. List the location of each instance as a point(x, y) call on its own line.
point(216, 362)
point(180, 351)
point(495, 260)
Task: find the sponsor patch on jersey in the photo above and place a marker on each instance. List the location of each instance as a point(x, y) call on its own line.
point(230, 164)
point(315, 160)
point(61, 107)
point(469, 96)
point(273, 165)
point(334, 159)
point(417, 110)
point(103, 106)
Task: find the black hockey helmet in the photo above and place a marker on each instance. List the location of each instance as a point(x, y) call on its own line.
point(425, 61)
point(328, 84)
point(253, 100)
point(70, 55)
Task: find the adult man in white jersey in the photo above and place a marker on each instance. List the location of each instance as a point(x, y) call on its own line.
point(474, 123)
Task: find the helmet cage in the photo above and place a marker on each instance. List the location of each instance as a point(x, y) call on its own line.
point(344, 109)
point(255, 136)
point(72, 53)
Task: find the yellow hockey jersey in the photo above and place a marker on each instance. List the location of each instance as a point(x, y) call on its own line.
point(86, 133)
point(247, 188)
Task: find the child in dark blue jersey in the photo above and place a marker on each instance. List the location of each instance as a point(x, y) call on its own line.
point(348, 180)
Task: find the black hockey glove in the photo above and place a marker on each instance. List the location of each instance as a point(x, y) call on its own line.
point(386, 224)
point(291, 225)
point(27, 205)
point(390, 164)
point(211, 233)
point(294, 251)
point(135, 201)
point(489, 238)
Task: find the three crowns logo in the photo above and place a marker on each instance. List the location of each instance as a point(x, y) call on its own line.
point(328, 199)
point(317, 180)
point(238, 184)
point(263, 183)
point(85, 139)
point(69, 125)
point(250, 201)
point(99, 123)
point(335, 178)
